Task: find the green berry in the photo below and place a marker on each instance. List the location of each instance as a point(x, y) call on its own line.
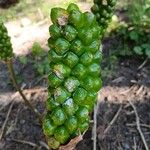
point(79, 71)
point(90, 100)
point(71, 124)
point(94, 46)
point(79, 96)
point(51, 104)
point(58, 116)
point(70, 33)
point(86, 35)
point(71, 59)
point(82, 114)
point(54, 80)
point(72, 7)
point(6, 51)
point(48, 127)
point(58, 15)
point(61, 46)
point(71, 84)
point(61, 70)
point(97, 57)
point(86, 58)
point(51, 42)
point(103, 11)
point(69, 107)
point(74, 77)
point(61, 134)
point(94, 69)
point(89, 18)
point(83, 126)
point(76, 18)
point(55, 31)
point(77, 47)
point(61, 94)
point(97, 84)
point(53, 143)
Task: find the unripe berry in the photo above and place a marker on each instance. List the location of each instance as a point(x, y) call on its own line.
point(6, 51)
point(74, 80)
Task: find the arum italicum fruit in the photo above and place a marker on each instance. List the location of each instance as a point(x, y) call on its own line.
point(6, 55)
point(103, 10)
point(74, 78)
point(6, 51)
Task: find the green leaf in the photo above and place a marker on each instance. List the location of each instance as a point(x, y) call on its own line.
point(146, 46)
point(138, 50)
point(23, 60)
point(147, 10)
point(147, 52)
point(37, 49)
point(134, 35)
point(40, 69)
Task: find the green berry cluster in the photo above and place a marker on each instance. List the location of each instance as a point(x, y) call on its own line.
point(6, 51)
point(103, 10)
point(74, 79)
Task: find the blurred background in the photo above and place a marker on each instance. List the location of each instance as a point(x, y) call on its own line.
point(127, 34)
point(125, 73)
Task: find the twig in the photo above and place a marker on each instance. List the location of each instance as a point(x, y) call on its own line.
point(5, 122)
point(39, 79)
point(143, 64)
point(30, 91)
point(112, 122)
point(135, 146)
point(139, 90)
point(91, 121)
point(95, 127)
point(13, 77)
point(142, 125)
point(6, 103)
point(25, 142)
point(138, 125)
point(72, 144)
point(43, 144)
point(128, 90)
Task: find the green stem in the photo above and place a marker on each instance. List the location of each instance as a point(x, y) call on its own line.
point(13, 77)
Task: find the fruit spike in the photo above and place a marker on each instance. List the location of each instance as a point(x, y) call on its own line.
point(6, 51)
point(74, 79)
point(103, 10)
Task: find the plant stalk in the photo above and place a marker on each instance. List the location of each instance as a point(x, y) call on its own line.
point(14, 80)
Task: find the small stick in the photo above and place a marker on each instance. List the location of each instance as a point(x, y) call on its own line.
point(139, 90)
point(5, 122)
point(13, 77)
point(138, 125)
point(142, 125)
point(128, 90)
point(30, 91)
point(95, 127)
point(135, 146)
point(143, 64)
point(72, 144)
point(112, 122)
point(43, 144)
point(25, 142)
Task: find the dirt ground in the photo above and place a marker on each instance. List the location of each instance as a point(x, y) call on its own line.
point(124, 98)
point(116, 118)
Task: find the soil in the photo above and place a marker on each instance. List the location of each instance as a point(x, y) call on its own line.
point(129, 85)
